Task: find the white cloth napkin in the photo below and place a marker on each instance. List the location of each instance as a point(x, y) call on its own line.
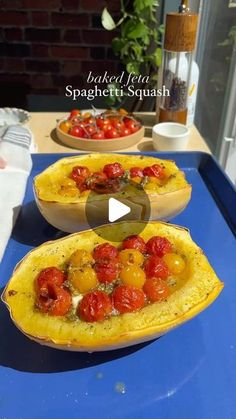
point(15, 166)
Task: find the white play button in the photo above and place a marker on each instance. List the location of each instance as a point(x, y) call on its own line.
point(117, 210)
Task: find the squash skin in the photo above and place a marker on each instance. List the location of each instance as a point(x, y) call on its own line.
point(71, 216)
point(200, 290)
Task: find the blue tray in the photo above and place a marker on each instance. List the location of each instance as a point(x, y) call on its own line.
point(189, 373)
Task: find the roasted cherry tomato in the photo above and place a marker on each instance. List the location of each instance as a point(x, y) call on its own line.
point(80, 174)
point(133, 275)
point(158, 246)
point(56, 302)
point(127, 299)
point(94, 306)
point(132, 125)
point(111, 133)
point(154, 171)
point(175, 263)
point(105, 251)
point(155, 267)
point(108, 186)
point(136, 172)
point(49, 276)
point(81, 258)
point(134, 242)
point(96, 178)
point(77, 131)
point(83, 279)
point(131, 257)
point(74, 113)
point(113, 170)
point(107, 271)
point(65, 126)
point(99, 135)
point(80, 171)
point(156, 289)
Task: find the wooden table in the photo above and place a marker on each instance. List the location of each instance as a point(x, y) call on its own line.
point(42, 124)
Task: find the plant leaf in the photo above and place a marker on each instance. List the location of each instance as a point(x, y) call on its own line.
point(133, 68)
point(158, 57)
point(117, 45)
point(139, 5)
point(107, 20)
point(134, 30)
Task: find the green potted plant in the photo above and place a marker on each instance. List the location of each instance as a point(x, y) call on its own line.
point(138, 44)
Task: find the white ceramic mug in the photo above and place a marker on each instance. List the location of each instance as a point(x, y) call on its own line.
point(170, 136)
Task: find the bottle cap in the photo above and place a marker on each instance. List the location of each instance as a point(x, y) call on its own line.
point(180, 32)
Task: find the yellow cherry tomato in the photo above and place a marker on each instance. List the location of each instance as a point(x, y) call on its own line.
point(123, 112)
point(131, 257)
point(155, 180)
point(133, 275)
point(87, 115)
point(68, 191)
point(68, 188)
point(67, 182)
point(175, 263)
point(81, 258)
point(65, 126)
point(136, 179)
point(84, 279)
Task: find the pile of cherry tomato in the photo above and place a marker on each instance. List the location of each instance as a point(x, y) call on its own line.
point(111, 280)
point(107, 125)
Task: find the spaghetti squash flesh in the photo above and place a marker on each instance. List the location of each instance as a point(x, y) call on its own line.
point(195, 290)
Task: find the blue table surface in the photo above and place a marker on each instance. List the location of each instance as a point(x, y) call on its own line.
point(190, 373)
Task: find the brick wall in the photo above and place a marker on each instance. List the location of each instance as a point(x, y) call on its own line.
point(46, 44)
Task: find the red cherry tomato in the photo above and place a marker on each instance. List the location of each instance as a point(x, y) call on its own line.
point(117, 123)
point(136, 172)
point(113, 170)
point(159, 246)
point(50, 276)
point(102, 123)
point(111, 133)
point(108, 186)
point(132, 125)
point(90, 121)
point(56, 302)
point(96, 179)
point(95, 306)
point(124, 131)
point(127, 299)
point(134, 242)
point(155, 171)
point(105, 251)
point(156, 289)
point(74, 113)
point(155, 267)
point(79, 174)
point(77, 131)
point(107, 271)
point(80, 171)
point(99, 135)
point(90, 130)
point(107, 127)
